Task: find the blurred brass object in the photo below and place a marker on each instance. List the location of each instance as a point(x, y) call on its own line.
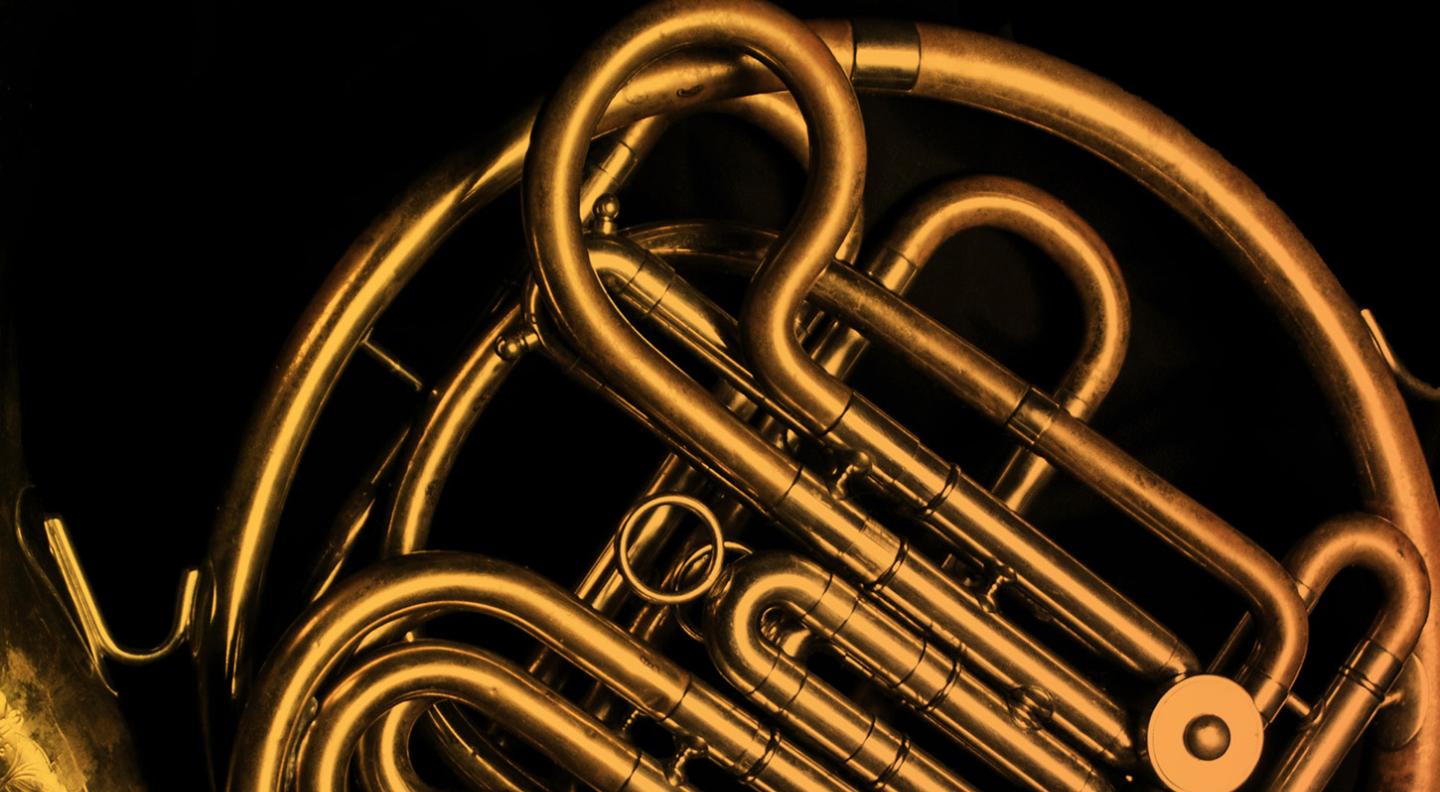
point(337, 703)
point(60, 729)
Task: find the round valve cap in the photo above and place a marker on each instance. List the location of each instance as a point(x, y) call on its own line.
point(1204, 735)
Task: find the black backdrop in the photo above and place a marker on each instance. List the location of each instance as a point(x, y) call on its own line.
point(177, 180)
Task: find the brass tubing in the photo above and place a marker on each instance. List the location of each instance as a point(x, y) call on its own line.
point(367, 278)
point(602, 587)
point(445, 421)
point(1192, 178)
point(382, 757)
point(581, 373)
point(827, 405)
point(579, 302)
point(781, 117)
point(1194, 530)
point(921, 674)
point(686, 412)
point(874, 753)
point(390, 771)
point(1000, 395)
point(345, 531)
point(439, 670)
point(643, 284)
point(995, 644)
point(958, 66)
point(999, 76)
point(959, 510)
point(436, 439)
point(777, 114)
point(419, 586)
point(451, 411)
point(457, 402)
point(876, 556)
point(1070, 444)
point(339, 318)
point(997, 202)
point(1106, 735)
point(611, 171)
point(479, 762)
point(1370, 543)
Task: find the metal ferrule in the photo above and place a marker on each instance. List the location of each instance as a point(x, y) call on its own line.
point(1372, 667)
point(999, 651)
point(887, 54)
point(1033, 417)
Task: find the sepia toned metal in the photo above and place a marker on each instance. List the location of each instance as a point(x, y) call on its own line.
point(60, 727)
point(1106, 697)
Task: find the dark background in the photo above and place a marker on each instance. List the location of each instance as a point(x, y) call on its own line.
point(177, 179)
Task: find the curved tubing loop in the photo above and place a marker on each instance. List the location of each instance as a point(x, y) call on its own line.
point(775, 113)
point(381, 771)
point(382, 757)
point(455, 404)
point(647, 292)
point(997, 202)
point(420, 586)
point(919, 673)
point(1357, 692)
point(429, 670)
point(551, 188)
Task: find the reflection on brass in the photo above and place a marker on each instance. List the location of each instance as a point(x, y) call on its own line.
point(355, 680)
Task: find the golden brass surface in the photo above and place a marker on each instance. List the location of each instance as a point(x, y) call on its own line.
point(799, 535)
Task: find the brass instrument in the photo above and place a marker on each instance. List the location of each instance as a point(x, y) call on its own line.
point(975, 649)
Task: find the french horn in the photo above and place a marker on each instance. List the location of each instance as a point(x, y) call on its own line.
point(806, 593)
